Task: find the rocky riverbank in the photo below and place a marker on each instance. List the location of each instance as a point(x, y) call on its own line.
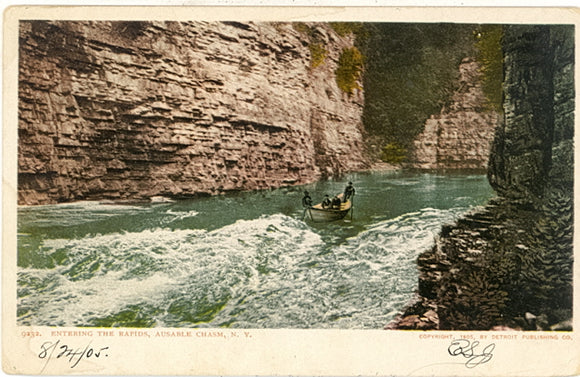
point(485, 271)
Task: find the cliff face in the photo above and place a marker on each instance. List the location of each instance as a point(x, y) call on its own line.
point(533, 153)
point(460, 136)
point(130, 110)
point(510, 263)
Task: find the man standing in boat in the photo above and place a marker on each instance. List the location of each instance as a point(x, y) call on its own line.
point(306, 200)
point(348, 192)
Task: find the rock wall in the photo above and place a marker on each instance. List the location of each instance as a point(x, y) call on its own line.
point(460, 136)
point(509, 265)
point(534, 151)
point(131, 110)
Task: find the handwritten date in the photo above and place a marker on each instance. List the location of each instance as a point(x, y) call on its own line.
point(467, 349)
point(73, 355)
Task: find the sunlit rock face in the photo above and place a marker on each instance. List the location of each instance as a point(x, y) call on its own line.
point(131, 110)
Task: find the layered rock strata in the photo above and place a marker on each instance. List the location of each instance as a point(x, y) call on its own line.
point(131, 110)
point(460, 136)
point(509, 265)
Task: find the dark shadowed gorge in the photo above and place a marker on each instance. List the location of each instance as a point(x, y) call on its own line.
point(510, 264)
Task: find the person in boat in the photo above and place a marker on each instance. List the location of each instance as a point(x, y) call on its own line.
point(326, 203)
point(306, 200)
point(348, 192)
point(336, 202)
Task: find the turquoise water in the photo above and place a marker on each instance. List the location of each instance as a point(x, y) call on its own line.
point(245, 260)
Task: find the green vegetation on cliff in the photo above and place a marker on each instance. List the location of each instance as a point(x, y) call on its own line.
point(343, 29)
point(393, 153)
point(351, 60)
point(315, 44)
point(490, 56)
point(350, 65)
point(317, 54)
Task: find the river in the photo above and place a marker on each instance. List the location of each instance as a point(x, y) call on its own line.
point(245, 260)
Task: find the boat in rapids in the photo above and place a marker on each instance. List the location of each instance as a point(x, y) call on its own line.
point(318, 213)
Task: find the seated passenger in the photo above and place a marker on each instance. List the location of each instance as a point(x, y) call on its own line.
point(326, 203)
point(336, 202)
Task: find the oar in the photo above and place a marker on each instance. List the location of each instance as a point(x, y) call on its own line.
point(352, 208)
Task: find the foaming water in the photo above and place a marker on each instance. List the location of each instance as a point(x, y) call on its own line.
point(255, 264)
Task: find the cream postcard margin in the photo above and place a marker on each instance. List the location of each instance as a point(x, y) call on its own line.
point(118, 351)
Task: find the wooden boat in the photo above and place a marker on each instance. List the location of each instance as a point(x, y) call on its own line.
point(319, 214)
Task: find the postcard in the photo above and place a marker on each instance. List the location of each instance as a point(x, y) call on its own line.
point(315, 191)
